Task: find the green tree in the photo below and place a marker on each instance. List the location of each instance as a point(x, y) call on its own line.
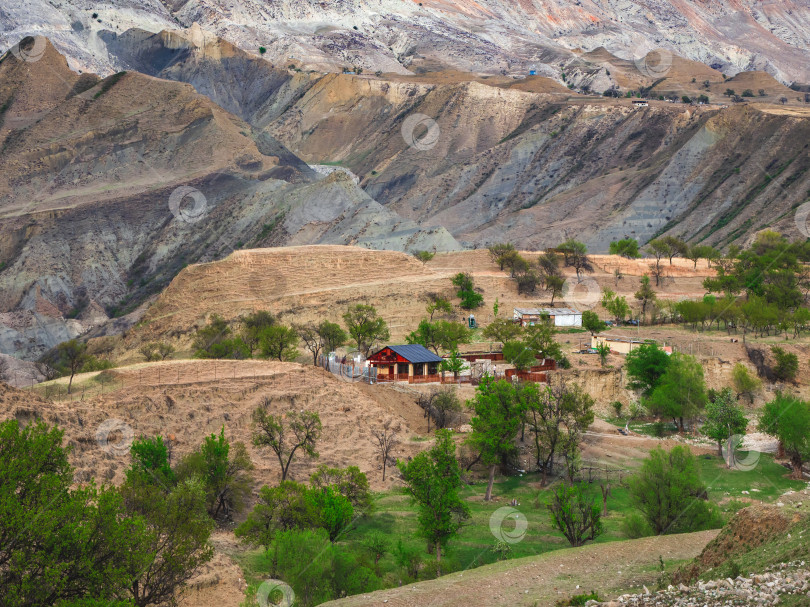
point(286, 434)
point(433, 480)
point(279, 342)
point(440, 335)
point(645, 294)
point(576, 515)
point(209, 336)
point(378, 545)
point(788, 419)
point(349, 482)
point(676, 247)
point(332, 334)
point(424, 256)
point(527, 281)
point(745, 382)
point(453, 364)
point(626, 247)
point(558, 415)
point(365, 327)
point(164, 350)
point(575, 255)
point(307, 559)
point(658, 248)
point(592, 323)
point(324, 337)
point(645, 366)
point(602, 349)
point(150, 462)
point(252, 327)
point(616, 305)
point(59, 542)
point(500, 253)
point(465, 290)
point(497, 417)
point(149, 352)
point(724, 418)
point(698, 252)
point(502, 330)
point(539, 337)
point(670, 494)
point(438, 304)
point(681, 391)
point(279, 508)
point(555, 284)
point(517, 265)
point(178, 529)
point(225, 474)
point(771, 269)
point(787, 364)
point(72, 355)
point(519, 355)
point(335, 512)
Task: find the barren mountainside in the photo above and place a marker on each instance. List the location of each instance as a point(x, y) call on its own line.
point(109, 187)
point(192, 144)
point(489, 36)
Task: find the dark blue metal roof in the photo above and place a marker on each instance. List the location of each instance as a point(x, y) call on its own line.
point(416, 353)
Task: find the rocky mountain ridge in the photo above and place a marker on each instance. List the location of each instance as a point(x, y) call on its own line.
point(404, 36)
point(108, 187)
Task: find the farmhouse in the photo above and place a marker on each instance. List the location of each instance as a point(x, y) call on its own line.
point(561, 317)
point(403, 363)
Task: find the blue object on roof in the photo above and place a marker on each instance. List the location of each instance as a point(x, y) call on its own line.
point(416, 353)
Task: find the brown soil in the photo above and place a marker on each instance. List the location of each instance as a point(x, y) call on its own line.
point(189, 400)
point(749, 528)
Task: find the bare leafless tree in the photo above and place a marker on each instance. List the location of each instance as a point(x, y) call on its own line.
point(385, 439)
point(286, 433)
point(46, 371)
point(425, 400)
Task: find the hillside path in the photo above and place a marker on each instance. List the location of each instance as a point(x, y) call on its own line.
point(610, 568)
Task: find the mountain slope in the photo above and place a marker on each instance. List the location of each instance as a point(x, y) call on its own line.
point(109, 187)
point(536, 168)
point(398, 36)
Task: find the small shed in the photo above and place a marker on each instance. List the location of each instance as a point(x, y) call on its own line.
point(402, 363)
point(561, 317)
point(640, 103)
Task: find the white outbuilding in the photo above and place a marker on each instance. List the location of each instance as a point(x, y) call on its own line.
point(561, 317)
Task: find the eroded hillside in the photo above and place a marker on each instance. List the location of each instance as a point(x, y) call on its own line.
point(108, 187)
point(402, 36)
